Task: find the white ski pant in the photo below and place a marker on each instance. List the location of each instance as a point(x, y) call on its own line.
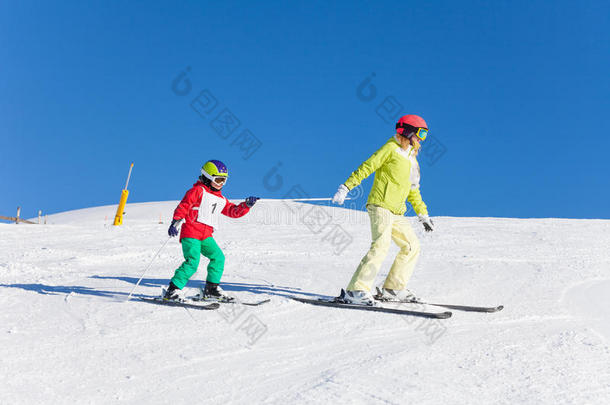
point(385, 227)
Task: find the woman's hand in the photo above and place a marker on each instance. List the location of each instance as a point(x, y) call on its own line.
point(340, 195)
point(426, 222)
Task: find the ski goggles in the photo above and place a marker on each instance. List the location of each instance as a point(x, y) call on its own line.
point(408, 131)
point(421, 133)
point(219, 179)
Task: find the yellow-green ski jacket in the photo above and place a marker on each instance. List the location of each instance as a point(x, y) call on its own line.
point(396, 179)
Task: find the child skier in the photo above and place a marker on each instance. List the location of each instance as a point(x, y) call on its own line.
point(200, 209)
point(396, 180)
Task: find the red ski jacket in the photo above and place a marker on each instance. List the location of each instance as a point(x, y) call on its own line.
point(188, 209)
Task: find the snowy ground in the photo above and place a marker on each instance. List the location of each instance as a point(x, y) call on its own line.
point(66, 336)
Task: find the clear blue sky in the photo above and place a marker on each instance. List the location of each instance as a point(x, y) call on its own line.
point(516, 94)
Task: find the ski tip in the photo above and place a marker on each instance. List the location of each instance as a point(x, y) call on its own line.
point(491, 309)
point(255, 304)
point(445, 315)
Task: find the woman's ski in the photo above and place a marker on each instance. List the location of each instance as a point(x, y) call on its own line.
point(467, 308)
point(337, 304)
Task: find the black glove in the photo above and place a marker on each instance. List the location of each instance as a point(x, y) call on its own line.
point(173, 228)
point(250, 201)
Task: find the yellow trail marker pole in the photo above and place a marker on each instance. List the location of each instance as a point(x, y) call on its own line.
point(118, 218)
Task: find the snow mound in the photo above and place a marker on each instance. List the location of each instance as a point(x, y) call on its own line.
point(68, 336)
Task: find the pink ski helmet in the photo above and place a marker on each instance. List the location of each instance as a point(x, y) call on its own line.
point(412, 120)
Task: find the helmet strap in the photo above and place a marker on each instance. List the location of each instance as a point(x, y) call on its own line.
point(205, 181)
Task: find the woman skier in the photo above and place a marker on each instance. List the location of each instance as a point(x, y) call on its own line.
point(396, 180)
point(200, 209)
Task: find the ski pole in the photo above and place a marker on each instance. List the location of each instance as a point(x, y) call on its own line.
point(151, 262)
point(297, 199)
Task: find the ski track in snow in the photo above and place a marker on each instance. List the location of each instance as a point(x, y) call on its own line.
point(68, 336)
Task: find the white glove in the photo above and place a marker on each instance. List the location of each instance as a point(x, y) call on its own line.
point(340, 195)
point(427, 222)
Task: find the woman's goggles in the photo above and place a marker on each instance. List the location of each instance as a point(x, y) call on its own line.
point(408, 131)
point(421, 133)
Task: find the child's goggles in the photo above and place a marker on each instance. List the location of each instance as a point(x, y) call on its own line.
point(219, 179)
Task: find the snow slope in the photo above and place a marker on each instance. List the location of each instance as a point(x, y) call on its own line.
point(67, 336)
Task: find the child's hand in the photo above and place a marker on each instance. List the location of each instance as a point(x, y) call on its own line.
point(173, 228)
point(250, 201)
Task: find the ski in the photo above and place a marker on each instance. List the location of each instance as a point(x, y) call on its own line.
point(231, 301)
point(255, 304)
point(336, 304)
point(183, 304)
point(467, 308)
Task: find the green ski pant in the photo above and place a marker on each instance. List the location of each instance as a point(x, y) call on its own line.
point(192, 250)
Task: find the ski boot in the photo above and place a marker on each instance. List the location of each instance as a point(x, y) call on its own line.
point(213, 292)
point(172, 293)
point(357, 298)
point(405, 295)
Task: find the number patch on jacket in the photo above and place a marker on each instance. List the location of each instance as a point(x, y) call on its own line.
point(210, 209)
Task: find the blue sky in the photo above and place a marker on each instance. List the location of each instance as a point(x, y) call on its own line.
point(515, 95)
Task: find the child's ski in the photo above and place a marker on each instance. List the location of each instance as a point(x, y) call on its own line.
point(229, 301)
point(185, 304)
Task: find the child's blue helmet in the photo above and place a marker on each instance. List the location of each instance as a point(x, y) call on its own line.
point(215, 171)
